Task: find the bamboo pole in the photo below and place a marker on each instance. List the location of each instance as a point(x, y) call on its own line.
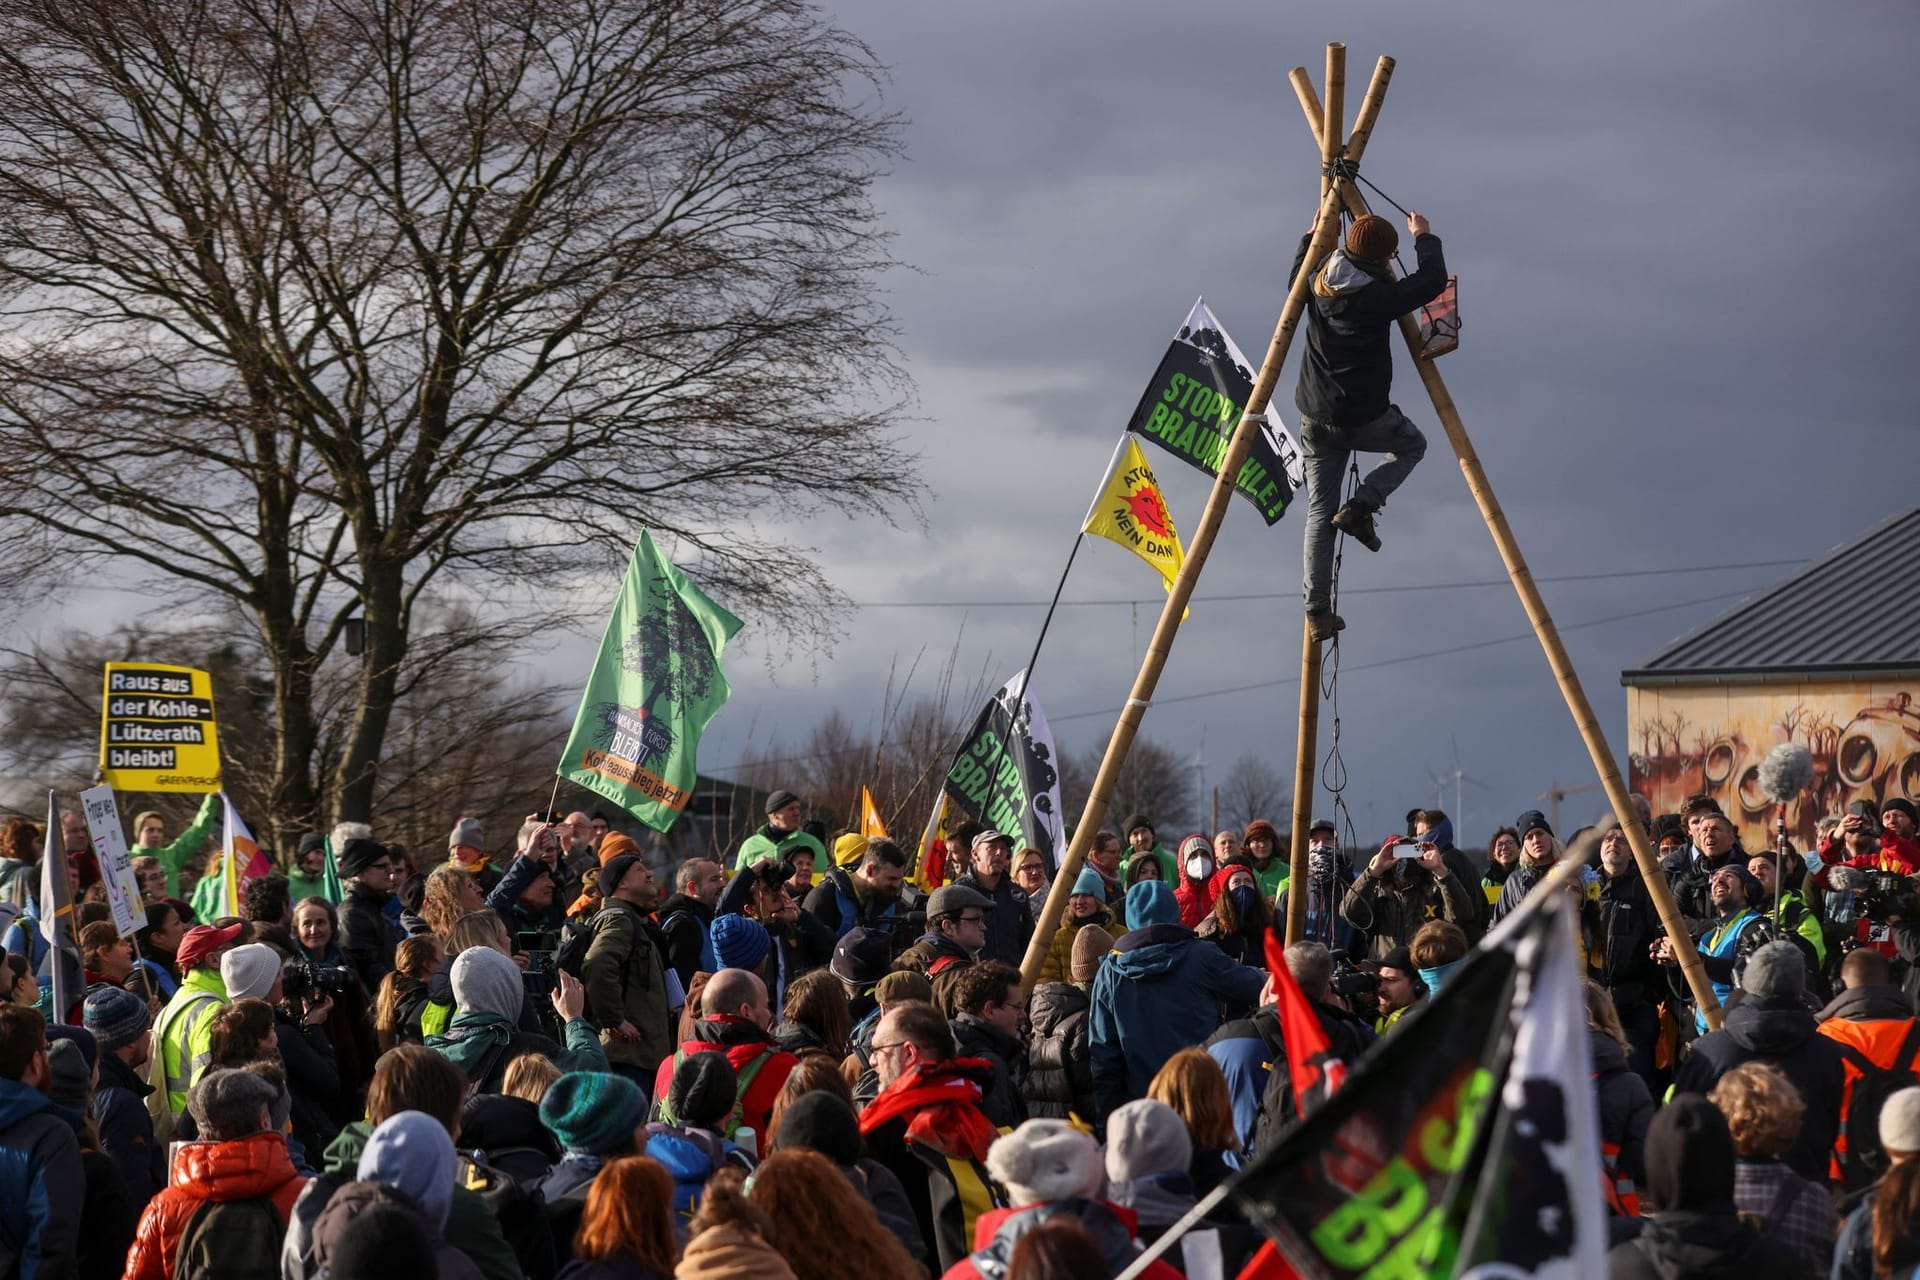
point(1326, 227)
point(1549, 636)
point(1333, 119)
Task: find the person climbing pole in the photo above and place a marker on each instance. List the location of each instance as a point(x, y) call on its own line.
point(1345, 381)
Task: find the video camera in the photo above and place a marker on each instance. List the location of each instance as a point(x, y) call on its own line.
point(305, 983)
point(1352, 982)
point(1883, 895)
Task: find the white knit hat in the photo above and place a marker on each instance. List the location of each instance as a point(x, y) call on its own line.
point(1045, 1160)
point(249, 971)
point(1900, 1122)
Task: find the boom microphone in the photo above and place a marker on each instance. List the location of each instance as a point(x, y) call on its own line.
point(1786, 772)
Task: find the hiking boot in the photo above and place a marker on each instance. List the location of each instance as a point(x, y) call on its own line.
point(1356, 522)
point(1326, 625)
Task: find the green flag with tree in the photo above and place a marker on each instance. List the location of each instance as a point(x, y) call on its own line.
point(654, 687)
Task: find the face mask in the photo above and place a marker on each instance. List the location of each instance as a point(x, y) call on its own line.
point(1320, 863)
point(1199, 868)
point(1245, 900)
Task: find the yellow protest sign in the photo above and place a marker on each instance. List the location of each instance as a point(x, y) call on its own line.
point(156, 729)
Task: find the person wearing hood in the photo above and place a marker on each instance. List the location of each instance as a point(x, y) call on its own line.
point(42, 1180)
point(863, 895)
point(1238, 922)
point(1771, 1023)
point(240, 1156)
point(485, 1034)
point(1262, 846)
point(1144, 842)
point(1873, 1021)
point(1394, 896)
point(1436, 828)
point(782, 832)
point(408, 1164)
point(701, 1096)
point(1625, 1103)
point(1326, 886)
point(736, 1022)
point(1059, 1069)
point(1051, 1170)
point(1620, 927)
point(411, 1078)
point(1345, 390)
point(367, 934)
point(1159, 992)
point(1736, 933)
point(1193, 888)
point(1695, 1232)
point(1086, 905)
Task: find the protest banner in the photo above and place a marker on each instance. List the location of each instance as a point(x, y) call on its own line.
point(110, 855)
point(654, 686)
point(157, 729)
point(1131, 511)
point(1197, 397)
point(1005, 773)
point(55, 903)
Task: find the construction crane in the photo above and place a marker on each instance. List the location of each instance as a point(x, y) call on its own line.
point(1555, 794)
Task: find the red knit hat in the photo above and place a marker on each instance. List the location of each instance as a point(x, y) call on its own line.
point(1372, 237)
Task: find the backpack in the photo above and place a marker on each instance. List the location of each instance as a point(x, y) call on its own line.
point(736, 1118)
point(1866, 1159)
point(570, 956)
point(514, 1201)
point(230, 1240)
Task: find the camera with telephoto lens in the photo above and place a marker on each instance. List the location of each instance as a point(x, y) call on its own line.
point(1350, 981)
point(307, 982)
point(1883, 895)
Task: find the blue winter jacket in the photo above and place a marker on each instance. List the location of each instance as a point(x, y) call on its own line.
point(1157, 994)
point(42, 1185)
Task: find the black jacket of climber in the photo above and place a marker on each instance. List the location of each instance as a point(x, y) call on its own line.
point(1346, 378)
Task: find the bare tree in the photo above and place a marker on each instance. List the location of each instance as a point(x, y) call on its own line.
point(317, 307)
point(1253, 789)
point(1154, 781)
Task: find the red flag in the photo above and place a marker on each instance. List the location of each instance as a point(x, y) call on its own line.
point(1268, 1264)
point(1316, 1073)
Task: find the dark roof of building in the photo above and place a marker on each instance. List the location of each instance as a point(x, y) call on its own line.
point(1853, 612)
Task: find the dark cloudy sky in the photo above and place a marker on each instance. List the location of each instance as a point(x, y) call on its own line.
point(1686, 242)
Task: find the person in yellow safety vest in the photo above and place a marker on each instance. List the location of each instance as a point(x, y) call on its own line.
point(183, 1033)
point(1796, 920)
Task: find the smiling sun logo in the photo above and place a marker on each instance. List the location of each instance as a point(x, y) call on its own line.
point(1149, 511)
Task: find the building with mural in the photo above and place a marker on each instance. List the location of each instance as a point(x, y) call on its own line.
point(1828, 658)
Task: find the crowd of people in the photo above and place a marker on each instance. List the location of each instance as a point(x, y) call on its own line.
point(568, 1060)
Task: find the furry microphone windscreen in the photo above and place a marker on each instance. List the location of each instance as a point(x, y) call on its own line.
point(1786, 772)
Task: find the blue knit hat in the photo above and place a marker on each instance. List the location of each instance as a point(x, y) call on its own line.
point(116, 1017)
point(1151, 902)
point(740, 941)
point(1090, 884)
point(593, 1111)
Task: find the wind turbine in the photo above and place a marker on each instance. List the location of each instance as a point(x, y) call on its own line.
point(1456, 776)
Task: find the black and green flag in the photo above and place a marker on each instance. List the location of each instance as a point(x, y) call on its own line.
point(1198, 396)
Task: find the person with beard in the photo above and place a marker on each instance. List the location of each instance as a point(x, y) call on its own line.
point(686, 919)
point(367, 934)
point(1711, 846)
point(1194, 888)
point(866, 895)
point(1539, 852)
point(1619, 927)
point(1798, 925)
point(989, 1010)
point(1326, 887)
point(1009, 919)
point(1503, 855)
point(1086, 905)
point(1695, 1230)
point(1395, 896)
point(1736, 932)
point(1771, 1023)
point(1240, 916)
point(1262, 847)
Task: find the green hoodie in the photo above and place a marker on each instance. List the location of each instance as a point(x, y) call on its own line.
point(472, 1036)
point(174, 856)
point(471, 1227)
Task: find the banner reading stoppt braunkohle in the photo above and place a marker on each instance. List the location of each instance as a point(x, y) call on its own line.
point(655, 685)
point(1006, 774)
point(1196, 399)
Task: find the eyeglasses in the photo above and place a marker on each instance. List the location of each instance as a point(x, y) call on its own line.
point(970, 919)
point(879, 1049)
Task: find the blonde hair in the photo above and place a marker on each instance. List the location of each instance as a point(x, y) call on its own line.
point(442, 908)
point(1602, 1016)
point(1193, 1084)
point(529, 1076)
point(1762, 1108)
point(480, 928)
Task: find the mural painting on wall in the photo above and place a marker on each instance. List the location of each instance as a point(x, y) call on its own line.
point(1865, 743)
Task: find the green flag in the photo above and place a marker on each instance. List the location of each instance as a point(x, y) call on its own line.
point(653, 688)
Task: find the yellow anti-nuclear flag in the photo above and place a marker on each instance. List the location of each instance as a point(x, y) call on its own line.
point(1132, 511)
point(870, 824)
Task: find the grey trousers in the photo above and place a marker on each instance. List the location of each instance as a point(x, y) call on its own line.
point(1324, 450)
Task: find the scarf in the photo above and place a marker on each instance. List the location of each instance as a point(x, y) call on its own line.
point(1435, 977)
point(940, 1102)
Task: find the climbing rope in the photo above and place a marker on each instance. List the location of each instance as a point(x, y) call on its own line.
point(1333, 770)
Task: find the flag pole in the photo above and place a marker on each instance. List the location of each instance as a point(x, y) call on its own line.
point(1546, 632)
point(1158, 648)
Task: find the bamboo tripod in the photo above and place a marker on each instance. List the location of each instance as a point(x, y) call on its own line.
point(1337, 192)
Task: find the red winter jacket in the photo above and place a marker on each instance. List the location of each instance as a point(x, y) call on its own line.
point(742, 1042)
point(245, 1169)
point(1107, 1222)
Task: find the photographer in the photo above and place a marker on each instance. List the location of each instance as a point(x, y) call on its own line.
point(301, 1005)
point(1404, 886)
point(319, 964)
point(528, 895)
